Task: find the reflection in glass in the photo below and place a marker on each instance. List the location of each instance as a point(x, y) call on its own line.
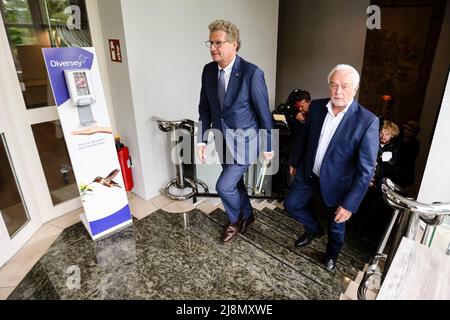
point(35, 24)
point(16, 12)
point(55, 161)
point(257, 180)
point(209, 173)
point(54, 11)
point(440, 237)
point(12, 208)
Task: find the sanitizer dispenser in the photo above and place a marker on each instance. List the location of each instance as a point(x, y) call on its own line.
point(80, 85)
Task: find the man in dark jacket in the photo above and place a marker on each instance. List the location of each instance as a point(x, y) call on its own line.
point(336, 158)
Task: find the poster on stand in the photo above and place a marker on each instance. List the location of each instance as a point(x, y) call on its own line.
point(77, 88)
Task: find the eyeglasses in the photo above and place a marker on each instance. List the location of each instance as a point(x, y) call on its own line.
point(217, 44)
point(344, 87)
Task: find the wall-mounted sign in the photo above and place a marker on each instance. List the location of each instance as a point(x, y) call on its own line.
point(114, 50)
point(78, 91)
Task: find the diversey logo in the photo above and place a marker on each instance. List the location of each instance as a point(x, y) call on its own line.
point(72, 63)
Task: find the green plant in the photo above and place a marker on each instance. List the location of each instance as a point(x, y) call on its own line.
point(85, 191)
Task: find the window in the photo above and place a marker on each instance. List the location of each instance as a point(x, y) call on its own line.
point(35, 24)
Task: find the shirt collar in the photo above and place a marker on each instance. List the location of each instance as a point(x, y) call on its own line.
point(330, 108)
point(228, 68)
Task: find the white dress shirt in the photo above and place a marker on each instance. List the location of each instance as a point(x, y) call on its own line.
point(227, 71)
point(328, 129)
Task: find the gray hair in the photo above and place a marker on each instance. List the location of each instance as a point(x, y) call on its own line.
point(230, 29)
point(346, 67)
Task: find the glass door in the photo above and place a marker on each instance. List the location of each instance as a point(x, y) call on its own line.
point(12, 207)
point(31, 25)
point(18, 212)
point(31, 140)
point(14, 215)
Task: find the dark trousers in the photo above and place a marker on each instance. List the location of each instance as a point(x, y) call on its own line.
point(233, 193)
point(298, 205)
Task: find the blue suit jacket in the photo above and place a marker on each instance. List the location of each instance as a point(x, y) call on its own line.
point(246, 107)
point(350, 160)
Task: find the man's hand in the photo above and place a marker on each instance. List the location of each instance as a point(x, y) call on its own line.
point(92, 130)
point(292, 171)
point(342, 215)
point(201, 153)
point(269, 155)
point(300, 117)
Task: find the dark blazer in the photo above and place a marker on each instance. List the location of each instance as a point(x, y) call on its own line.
point(246, 107)
point(387, 169)
point(350, 160)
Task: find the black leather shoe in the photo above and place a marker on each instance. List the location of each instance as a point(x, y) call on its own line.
point(246, 223)
point(306, 238)
point(330, 264)
point(231, 231)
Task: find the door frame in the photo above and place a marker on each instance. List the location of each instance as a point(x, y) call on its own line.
point(10, 245)
point(16, 123)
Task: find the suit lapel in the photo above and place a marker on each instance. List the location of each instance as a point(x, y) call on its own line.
point(320, 120)
point(213, 79)
point(346, 122)
point(233, 84)
point(213, 82)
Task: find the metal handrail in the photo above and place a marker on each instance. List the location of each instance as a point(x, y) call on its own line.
point(180, 182)
point(167, 126)
point(373, 270)
point(432, 214)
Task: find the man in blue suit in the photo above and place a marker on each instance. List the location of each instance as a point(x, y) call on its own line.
point(234, 103)
point(335, 157)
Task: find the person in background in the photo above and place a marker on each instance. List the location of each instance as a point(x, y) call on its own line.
point(302, 100)
point(409, 148)
point(388, 154)
point(374, 212)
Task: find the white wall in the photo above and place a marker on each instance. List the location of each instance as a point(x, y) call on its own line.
point(166, 54)
point(111, 24)
point(95, 27)
point(314, 36)
point(435, 185)
point(432, 102)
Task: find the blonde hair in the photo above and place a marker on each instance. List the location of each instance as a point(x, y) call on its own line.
point(230, 29)
point(392, 127)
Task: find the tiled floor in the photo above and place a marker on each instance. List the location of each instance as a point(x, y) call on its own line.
point(5, 292)
point(165, 255)
point(13, 272)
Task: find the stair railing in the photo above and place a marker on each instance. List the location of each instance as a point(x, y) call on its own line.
point(406, 220)
point(181, 182)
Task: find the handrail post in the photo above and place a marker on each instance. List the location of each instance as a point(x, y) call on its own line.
point(181, 182)
point(408, 215)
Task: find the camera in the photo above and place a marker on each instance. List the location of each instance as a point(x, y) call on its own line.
point(288, 109)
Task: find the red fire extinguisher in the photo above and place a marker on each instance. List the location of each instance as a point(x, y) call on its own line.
point(125, 164)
